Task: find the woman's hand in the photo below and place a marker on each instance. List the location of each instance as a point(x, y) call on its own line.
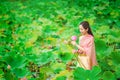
point(78, 46)
point(74, 51)
point(73, 43)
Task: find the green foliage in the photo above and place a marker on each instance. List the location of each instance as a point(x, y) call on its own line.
point(33, 35)
point(61, 78)
point(21, 72)
point(115, 57)
point(100, 46)
point(107, 75)
point(57, 67)
point(1, 74)
point(16, 61)
point(65, 57)
point(44, 58)
point(81, 74)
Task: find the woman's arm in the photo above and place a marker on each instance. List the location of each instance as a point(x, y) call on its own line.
point(78, 46)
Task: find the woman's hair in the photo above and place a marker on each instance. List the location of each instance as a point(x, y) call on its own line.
point(86, 25)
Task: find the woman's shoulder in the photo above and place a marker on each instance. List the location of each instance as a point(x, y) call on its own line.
point(90, 36)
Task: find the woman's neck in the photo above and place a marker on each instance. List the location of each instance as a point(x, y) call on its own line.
point(85, 34)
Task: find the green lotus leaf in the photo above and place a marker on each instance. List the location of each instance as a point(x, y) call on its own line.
point(61, 78)
point(21, 72)
point(65, 57)
point(107, 75)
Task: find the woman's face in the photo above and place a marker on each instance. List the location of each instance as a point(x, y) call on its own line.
point(82, 30)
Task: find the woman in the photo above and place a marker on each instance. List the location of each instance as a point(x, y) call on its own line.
point(86, 47)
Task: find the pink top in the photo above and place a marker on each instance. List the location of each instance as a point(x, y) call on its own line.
point(87, 42)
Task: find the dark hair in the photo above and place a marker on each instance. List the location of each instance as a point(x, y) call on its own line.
point(86, 25)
